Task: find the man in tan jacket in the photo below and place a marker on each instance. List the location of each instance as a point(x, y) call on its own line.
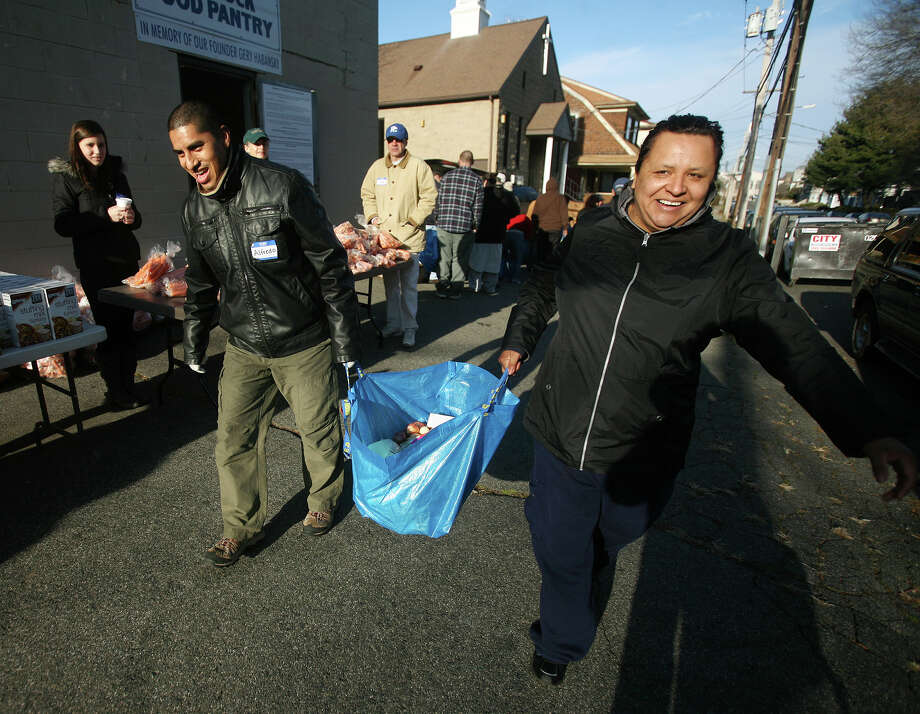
point(398, 194)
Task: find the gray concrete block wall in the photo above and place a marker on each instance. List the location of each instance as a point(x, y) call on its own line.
point(64, 61)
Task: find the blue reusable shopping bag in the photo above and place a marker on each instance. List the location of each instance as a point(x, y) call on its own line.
point(420, 488)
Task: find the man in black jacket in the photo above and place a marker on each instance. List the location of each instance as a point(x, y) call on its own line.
point(256, 232)
point(641, 288)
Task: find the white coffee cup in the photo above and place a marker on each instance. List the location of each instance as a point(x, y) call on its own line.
point(123, 201)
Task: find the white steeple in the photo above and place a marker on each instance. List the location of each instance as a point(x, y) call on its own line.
point(468, 18)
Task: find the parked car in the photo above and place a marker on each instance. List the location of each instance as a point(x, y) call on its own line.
point(874, 217)
point(885, 298)
point(780, 224)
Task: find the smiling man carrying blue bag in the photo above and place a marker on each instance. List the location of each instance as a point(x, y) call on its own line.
point(257, 232)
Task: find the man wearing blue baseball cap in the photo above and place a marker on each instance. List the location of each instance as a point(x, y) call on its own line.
point(398, 194)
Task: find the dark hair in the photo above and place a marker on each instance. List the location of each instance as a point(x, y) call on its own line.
point(684, 124)
point(201, 114)
point(595, 199)
point(88, 174)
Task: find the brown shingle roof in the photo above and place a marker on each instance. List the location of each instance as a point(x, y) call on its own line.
point(462, 68)
point(599, 98)
point(550, 119)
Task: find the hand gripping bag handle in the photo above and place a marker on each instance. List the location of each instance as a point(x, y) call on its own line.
point(494, 395)
point(345, 411)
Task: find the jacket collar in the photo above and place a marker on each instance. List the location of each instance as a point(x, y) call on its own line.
point(232, 181)
point(401, 164)
point(627, 196)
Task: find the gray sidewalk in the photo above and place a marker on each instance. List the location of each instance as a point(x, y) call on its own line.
point(776, 580)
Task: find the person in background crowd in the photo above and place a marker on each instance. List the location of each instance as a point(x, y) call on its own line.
point(518, 247)
point(288, 303)
point(86, 189)
point(550, 213)
point(398, 194)
point(255, 142)
point(499, 207)
point(457, 215)
point(641, 288)
point(592, 201)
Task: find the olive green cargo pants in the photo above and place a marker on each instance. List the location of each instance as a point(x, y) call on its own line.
point(248, 393)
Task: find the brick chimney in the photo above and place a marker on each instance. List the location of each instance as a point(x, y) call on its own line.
point(468, 18)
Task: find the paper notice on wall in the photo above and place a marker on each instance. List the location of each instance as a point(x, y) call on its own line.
point(287, 117)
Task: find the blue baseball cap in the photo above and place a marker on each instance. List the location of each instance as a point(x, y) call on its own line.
point(397, 131)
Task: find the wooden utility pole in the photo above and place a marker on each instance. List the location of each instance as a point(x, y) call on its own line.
point(746, 157)
point(781, 130)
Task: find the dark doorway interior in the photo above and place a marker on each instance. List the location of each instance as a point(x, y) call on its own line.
point(230, 90)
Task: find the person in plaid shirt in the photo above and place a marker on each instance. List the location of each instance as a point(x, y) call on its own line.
point(457, 214)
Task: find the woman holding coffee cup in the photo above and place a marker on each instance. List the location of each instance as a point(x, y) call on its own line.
point(93, 206)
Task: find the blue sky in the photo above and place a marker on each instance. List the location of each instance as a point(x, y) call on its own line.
point(666, 54)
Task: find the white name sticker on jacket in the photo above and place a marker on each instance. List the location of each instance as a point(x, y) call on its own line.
point(265, 250)
point(381, 180)
point(821, 242)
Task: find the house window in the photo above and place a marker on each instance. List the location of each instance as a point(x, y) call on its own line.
point(517, 148)
point(632, 128)
point(506, 129)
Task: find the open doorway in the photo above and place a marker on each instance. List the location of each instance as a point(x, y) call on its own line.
point(229, 89)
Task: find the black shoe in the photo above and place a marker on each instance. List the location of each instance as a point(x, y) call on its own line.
point(122, 402)
point(544, 669)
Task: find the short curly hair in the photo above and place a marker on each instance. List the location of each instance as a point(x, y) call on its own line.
point(684, 124)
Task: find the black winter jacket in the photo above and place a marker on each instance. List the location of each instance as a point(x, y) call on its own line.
point(617, 388)
point(80, 213)
point(263, 239)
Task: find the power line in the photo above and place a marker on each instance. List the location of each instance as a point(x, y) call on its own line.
point(721, 79)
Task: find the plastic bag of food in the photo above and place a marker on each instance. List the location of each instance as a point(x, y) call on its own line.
point(51, 367)
point(173, 283)
point(159, 262)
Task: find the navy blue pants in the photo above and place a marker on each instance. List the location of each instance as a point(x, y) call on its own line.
point(578, 525)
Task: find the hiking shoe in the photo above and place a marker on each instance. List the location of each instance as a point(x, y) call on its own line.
point(317, 523)
point(227, 551)
point(390, 331)
point(553, 672)
point(408, 338)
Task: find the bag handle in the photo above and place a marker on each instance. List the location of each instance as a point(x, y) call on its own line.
point(499, 388)
point(345, 411)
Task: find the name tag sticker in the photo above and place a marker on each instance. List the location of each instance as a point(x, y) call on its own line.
point(265, 250)
point(381, 180)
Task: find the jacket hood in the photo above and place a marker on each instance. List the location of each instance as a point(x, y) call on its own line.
point(627, 195)
point(60, 165)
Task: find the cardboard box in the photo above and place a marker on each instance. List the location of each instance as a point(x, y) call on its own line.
point(63, 310)
point(26, 316)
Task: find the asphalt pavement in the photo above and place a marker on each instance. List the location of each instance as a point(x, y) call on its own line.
point(777, 580)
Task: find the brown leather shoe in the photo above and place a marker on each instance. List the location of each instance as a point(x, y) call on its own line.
point(317, 523)
point(227, 551)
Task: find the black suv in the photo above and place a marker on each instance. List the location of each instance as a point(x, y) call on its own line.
point(885, 296)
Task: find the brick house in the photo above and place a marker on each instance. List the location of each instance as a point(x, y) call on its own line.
point(493, 90)
point(608, 132)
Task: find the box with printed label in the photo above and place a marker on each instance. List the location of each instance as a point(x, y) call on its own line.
point(63, 310)
point(26, 316)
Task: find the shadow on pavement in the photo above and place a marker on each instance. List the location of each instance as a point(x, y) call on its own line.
point(43, 484)
point(722, 616)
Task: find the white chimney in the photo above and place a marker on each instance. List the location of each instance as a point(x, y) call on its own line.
point(468, 18)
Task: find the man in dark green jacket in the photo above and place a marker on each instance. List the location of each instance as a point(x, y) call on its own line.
point(641, 287)
point(256, 232)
